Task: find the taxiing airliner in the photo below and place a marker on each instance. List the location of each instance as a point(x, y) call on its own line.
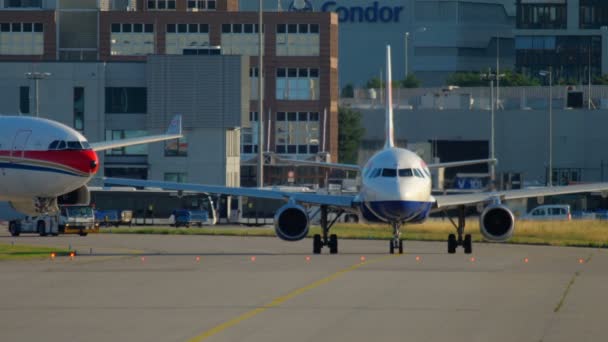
point(44, 163)
point(395, 189)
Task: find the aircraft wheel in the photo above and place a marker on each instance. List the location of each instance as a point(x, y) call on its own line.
point(468, 244)
point(452, 244)
point(400, 246)
point(41, 228)
point(333, 244)
point(13, 229)
point(316, 244)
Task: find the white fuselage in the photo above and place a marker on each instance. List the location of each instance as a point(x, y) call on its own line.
point(396, 187)
point(41, 158)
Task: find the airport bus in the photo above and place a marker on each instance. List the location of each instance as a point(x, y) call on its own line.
point(154, 206)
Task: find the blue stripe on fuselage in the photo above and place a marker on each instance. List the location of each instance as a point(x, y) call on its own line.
point(402, 211)
point(23, 166)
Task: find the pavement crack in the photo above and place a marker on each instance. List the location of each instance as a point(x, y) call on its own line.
point(566, 291)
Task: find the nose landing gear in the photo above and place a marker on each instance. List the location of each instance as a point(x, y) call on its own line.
point(396, 242)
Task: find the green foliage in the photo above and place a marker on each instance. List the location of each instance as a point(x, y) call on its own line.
point(348, 91)
point(600, 80)
point(350, 133)
point(514, 79)
point(466, 79)
point(476, 79)
point(411, 81)
point(374, 83)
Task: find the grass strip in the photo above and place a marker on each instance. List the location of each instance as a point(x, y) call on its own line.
point(27, 252)
point(557, 233)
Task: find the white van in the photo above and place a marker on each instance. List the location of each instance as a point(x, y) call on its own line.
point(554, 212)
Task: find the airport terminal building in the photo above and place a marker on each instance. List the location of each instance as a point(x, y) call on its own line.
point(441, 37)
point(123, 68)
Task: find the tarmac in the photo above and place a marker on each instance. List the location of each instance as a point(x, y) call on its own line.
point(204, 288)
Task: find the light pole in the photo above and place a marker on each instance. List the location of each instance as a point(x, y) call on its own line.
point(549, 73)
point(407, 38)
point(493, 105)
point(36, 76)
point(261, 100)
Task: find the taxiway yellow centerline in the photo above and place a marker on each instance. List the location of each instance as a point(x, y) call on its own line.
point(280, 300)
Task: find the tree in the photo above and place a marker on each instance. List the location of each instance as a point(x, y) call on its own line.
point(350, 133)
point(466, 79)
point(348, 91)
point(374, 83)
point(478, 79)
point(411, 81)
point(601, 80)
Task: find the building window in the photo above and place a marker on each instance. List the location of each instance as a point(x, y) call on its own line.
point(254, 74)
point(24, 100)
point(202, 5)
point(79, 108)
point(249, 136)
point(571, 58)
point(21, 38)
point(297, 84)
point(297, 132)
point(177, 147)
point(240, 39)
point(161, 4)
point(126, 100)
point(534, 15)
point(191, 37)
point(131, 39)
point(135, 150)
point(176, 177)
point(297, 40)
point(23, 4)
point(593, 14)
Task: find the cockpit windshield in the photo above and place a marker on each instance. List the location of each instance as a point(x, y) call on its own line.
point(389, 173)
point(68, 145)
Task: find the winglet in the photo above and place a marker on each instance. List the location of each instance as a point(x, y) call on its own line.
point(175, 128)
point(389, 142)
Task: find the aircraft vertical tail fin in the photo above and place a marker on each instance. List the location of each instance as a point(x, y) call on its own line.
point(389, 142)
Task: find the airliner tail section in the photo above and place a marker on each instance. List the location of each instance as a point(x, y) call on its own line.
point(389, 142)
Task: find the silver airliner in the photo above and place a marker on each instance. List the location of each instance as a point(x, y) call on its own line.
point(395, 189)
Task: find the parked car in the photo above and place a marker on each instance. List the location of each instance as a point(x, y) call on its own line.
point(554, 212)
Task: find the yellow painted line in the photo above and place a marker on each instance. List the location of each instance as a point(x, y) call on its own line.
point(280, 300)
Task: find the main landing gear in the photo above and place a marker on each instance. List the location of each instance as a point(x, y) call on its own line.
point(330, 241)
point(453, 242)
point(396, 242)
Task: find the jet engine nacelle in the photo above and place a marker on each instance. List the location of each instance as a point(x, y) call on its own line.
point(497, 223)
point(80, 196)
point(291, 222)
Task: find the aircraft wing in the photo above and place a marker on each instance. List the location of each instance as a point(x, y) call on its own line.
point(305, 198)
point(173, 132)
point(352, 167)
point(348, 167)
point(461, 163)
point(446, 201)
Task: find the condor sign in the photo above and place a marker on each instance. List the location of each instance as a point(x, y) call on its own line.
point(373, 13)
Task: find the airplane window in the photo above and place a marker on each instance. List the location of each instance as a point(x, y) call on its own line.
point(389, 173)
point(405, 173)
point(418, 174)
point(375, 173)
point(85, 145)
point(74, 145)
point(53, 145)
point(61, 145)
point(428, 173)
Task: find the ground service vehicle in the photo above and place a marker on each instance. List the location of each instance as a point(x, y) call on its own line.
point(77, 219)
point(106, 218)
point(43, 225)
